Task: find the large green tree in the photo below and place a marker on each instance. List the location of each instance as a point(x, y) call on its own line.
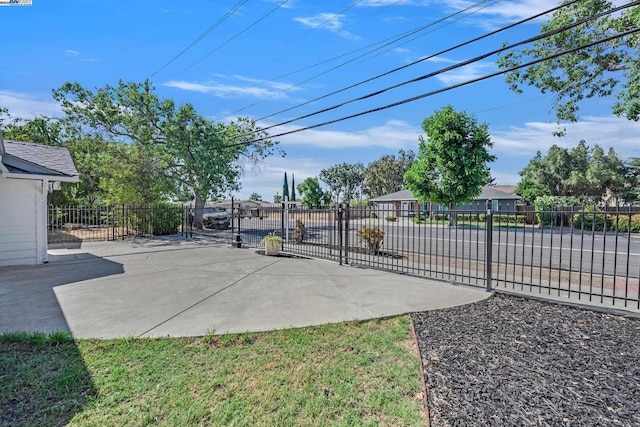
point(585, 173)
point(312, 193)
point(345, 181)
point(188, 150)
point(386, 174)
point(606, 69)
point(451, 166)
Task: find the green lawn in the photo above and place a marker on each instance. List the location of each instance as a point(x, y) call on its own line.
point(358, 373)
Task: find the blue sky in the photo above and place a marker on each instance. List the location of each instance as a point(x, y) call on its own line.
point(98, 42)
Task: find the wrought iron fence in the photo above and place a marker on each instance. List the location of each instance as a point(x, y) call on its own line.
point(74, 224)
point(584, 253)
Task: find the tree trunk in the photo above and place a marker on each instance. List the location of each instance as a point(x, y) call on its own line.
point(453, 221)
point(198, 211)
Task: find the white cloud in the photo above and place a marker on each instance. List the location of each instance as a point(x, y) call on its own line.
point(285, 87)
point(465, 73)
point(225, 91)
point(328, 21)
point(503, 12)
point(394, 134)
point(606, 131)
point(28, 105)
point(72, 52)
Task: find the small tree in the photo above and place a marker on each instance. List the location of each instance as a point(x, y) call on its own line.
point(312, 193)
point(255, 197)
point(285, 188)
point(293, 188)
point(451, 166)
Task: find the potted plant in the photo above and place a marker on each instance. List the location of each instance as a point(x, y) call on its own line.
point(272, 244)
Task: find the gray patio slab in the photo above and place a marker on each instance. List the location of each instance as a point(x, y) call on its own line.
point(181, 288)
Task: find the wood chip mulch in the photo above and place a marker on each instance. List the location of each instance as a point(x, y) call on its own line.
point(509, 361)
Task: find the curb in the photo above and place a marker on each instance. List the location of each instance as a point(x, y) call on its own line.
point(424, 386)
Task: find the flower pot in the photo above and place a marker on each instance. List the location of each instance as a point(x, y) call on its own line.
point(272, 247)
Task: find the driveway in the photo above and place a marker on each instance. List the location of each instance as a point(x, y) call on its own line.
point(172, 287)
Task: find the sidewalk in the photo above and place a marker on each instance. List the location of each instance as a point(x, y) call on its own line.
point(169, 287)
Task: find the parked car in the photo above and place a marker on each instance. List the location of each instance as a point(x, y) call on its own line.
point(215, 218)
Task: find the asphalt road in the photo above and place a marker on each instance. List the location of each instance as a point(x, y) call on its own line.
point(597, 253)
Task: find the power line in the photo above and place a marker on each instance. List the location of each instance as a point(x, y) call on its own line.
point(389, 41)
point(453, 67)
point(352, 5)
point(237, 35)
point(204, 34)
point(420, 60)
point(445, 89)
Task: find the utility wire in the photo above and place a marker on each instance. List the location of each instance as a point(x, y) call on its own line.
point(387, 42)
point(383, 46)
point(426, 58)
point(352, 5)
point(448, 88)
point(237, 35)
point(454, 66)
point(204, 34)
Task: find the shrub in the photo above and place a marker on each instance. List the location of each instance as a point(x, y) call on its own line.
point(592, 219)
point(373, 215)
point(299, 232)
point(390, 218)
point(441, 217)
point(545, 209)
point(418, 219)
point(626, 223)
point(372, 237)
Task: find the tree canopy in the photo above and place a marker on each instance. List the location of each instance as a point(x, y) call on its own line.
point(386, 175)
point(345, 181)
point(585, 173)
point(171, 141)
point(451, 166)
point(312, 193)
point(611, 68)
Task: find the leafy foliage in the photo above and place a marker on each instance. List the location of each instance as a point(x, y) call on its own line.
point(345, 181)
point(451, 166)
point(312, 194)
point(285, 188)
point(386, 175)
point(171, 142)
point(255, 197)
point(581, 172)
point(599, 71)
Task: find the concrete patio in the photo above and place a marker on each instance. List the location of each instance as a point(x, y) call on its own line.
point(173, 287)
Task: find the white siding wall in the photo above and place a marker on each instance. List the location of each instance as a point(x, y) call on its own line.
point(18, 221)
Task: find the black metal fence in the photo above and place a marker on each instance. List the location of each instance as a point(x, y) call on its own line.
point(580, 253)
point(74, 224)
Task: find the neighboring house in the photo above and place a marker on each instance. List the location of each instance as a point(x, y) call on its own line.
point(28, 173)
point(403, 203)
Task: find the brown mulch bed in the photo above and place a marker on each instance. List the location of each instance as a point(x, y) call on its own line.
point(509, 361)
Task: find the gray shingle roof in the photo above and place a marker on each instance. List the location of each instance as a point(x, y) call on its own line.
point(488, 193)
point(56, 159)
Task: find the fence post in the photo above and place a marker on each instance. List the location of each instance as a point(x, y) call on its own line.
point(282, 224)
point(489, 245)
point(340, 233)
point(346, 235)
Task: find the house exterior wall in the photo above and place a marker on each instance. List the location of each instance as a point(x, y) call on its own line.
point(20, 214)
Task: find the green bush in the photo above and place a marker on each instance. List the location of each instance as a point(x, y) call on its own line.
point(157, 220)
point(592, 219)
point(419, 219)
point(373, 215)
point(545, 209)
point(628, 223)
point(390, 218)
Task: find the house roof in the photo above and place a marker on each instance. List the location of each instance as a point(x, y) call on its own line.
point(30, 158)
point(490, 192)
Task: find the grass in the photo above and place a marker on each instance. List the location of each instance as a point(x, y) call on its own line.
point(356, 373)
